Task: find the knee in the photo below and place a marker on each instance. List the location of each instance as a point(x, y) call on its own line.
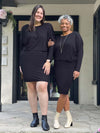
point(30, 86)
point(42, 88)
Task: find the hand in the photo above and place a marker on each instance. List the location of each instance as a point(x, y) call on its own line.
point(20, 69)
point(50, 43)
point(46, 67)
point(21, 72)
point(76, 74)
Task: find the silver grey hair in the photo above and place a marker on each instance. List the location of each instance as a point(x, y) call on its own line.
point(65, 17)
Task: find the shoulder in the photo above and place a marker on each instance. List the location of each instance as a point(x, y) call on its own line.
point(25, 27)
point(77, 34)
point(48, 25)
point(78, 37)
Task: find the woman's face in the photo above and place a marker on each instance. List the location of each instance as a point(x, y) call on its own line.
point(65, 25)
point(39, 15)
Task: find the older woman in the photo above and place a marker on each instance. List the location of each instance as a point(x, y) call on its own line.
point(68, 53)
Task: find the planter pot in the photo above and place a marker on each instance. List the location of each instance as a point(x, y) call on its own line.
point(4, 22)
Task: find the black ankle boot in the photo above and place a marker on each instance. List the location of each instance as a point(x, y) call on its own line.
point(35, 121)
point(45, 125)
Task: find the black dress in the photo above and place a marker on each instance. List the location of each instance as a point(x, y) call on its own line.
point(68, 57)
point(35, 51)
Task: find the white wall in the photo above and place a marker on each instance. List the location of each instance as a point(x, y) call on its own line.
point(6, 82)
point(85, 12)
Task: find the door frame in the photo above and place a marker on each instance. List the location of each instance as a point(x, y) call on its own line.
point(16, 73)
point(96, 52)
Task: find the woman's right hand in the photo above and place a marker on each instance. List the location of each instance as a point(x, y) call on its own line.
point(76, 74)
point(50, 43)
point(46, 68)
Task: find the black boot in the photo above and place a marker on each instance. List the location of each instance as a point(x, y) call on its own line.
point(45, 125)
point(35, 121)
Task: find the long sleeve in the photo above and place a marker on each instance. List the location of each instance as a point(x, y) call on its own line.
point(52, 37)
point(22, 39)
point(20, 46)
point(79, 47)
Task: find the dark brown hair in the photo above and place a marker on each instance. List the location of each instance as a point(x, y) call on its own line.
point(32, 19)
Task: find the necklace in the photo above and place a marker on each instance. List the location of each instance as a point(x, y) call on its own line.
point(62, 42)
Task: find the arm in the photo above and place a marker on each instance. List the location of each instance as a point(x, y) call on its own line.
point(46, 65)
point(51, 41)
point(79, 47)
point(21, 44)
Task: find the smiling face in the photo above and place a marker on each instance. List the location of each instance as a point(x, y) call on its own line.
point(65, 25)
point(39, 15)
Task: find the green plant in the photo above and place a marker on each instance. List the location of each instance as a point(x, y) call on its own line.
point(10, 18)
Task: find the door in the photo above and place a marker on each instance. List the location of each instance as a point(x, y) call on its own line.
point(20, 89)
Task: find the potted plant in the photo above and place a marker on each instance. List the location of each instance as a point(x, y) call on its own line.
point(10, 18)
point(7, 16)
point(3, 16)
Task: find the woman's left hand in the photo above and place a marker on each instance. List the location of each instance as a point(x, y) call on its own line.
point(76, 74)
point(46, 67)
point(50, 43)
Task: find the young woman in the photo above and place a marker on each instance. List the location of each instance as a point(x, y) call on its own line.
point(35, 62)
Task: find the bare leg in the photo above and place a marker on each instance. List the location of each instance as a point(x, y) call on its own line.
point(32, 96)
point(43, 100)
point(69, 121)
point(43, 96)
point(67, 104)
point(61, 103)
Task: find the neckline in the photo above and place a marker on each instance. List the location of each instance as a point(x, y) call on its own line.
point(38, 26)
point(67, 34)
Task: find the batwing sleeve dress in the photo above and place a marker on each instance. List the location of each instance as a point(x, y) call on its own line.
point(67, 61)
point(35, 51)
